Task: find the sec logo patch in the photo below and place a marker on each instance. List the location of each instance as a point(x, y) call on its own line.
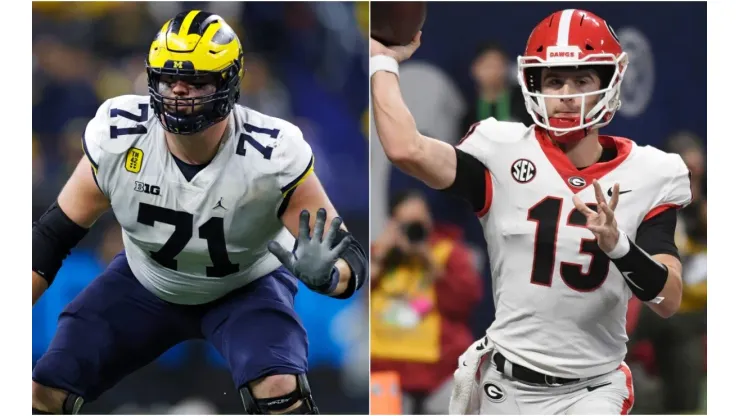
point(523, 170)
point(134, 160)
point(494, 392)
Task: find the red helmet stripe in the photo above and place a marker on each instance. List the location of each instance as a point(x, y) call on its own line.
point(564, 27)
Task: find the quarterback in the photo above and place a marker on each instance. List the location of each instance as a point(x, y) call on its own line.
point(220, 212)
point(576, 222)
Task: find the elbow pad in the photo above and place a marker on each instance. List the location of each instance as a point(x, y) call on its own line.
point(54, 237)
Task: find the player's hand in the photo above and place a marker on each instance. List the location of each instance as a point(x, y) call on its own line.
point(399, 53)
point(313, 259)
point(389, 238)
point(601, 222)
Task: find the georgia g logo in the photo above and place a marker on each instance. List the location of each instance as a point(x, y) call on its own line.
point(494, 392)
point(577, 181)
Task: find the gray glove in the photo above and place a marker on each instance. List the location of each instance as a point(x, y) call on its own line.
point(313, 258)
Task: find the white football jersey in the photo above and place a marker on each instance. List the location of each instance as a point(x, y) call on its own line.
point(193, 242)
point(560, 303)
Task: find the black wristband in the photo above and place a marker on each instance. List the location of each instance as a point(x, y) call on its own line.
point(356, 258)
point(644, 276)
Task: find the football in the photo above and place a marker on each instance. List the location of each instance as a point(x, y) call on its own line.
point(396, 23)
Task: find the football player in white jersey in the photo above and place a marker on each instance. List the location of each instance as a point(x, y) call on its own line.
point(209, 195)
point(566, 255)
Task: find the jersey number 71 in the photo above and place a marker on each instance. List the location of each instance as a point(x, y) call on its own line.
point(212, 231)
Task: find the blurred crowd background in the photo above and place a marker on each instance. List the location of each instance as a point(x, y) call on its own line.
point(464, 71)
point(306, 63)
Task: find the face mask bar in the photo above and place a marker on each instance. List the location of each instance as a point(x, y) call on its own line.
point(609, 103)
point(179, 105)
point(205, 110)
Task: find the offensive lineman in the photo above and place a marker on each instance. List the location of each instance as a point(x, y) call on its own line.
point(205, 190)
point(565, 259)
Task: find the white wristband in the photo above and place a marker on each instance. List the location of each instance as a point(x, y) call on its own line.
point(622, 247)
point(383, 63)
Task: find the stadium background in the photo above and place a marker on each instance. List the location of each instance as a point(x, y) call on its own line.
point(664, 92)
point(307, 63)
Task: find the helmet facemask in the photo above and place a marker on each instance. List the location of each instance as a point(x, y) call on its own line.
point(610, 70)
point(186, 116)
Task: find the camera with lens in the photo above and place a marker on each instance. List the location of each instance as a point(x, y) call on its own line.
point(415, 231)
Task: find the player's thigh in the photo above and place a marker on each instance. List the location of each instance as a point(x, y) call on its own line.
point(110, 329)
point(257, 330)
point(615, 398)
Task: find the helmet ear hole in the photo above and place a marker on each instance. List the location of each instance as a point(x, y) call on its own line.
point(533, 78)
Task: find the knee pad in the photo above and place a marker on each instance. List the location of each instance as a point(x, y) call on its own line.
point(71, 406)
point(255, 406)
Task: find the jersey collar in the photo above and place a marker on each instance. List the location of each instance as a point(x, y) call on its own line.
point(575, 179)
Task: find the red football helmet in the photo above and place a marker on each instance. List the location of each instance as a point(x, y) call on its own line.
point(573, 38)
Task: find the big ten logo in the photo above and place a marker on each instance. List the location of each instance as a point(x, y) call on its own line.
point(146, 188)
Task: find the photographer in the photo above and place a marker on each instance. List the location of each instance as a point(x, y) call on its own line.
point(424, 286)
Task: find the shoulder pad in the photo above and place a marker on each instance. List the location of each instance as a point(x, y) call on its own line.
point(484, 135)
point(673, 175)
point(118, 123)
point(281, 143)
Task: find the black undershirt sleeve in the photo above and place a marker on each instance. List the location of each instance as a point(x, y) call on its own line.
point(470, 180)
point(657, 234)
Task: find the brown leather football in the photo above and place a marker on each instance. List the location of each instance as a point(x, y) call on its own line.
point(396, 23)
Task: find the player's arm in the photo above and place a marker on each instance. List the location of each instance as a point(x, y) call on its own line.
point(656, 236)
point(673, 289)
point(350, 269)
point(329, 260)
point(64, 224)
point(310, 196)
point(434, 162)
point(429, 160)
point(651, 264)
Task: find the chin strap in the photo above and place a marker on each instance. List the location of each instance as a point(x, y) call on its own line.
point(568, 137)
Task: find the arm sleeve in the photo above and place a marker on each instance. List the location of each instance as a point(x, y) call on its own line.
point(656, 235)
point(472, 181)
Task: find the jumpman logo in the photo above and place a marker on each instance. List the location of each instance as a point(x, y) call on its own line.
point(219, 205)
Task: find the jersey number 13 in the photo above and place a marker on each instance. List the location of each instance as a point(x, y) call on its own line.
point(546, 214)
